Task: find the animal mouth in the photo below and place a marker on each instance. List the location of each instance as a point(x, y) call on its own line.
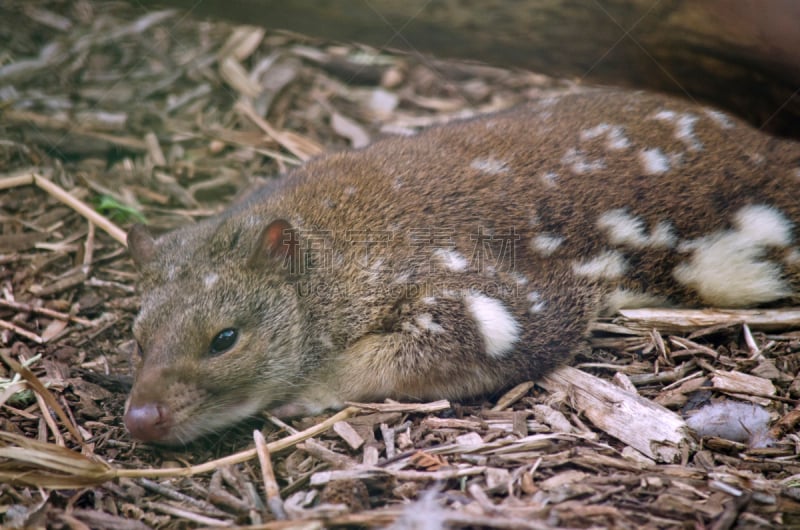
point(157, 422)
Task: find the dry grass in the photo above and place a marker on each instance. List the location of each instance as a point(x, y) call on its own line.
point(157, 114)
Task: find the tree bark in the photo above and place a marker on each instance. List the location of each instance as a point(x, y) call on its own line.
point(743, 55)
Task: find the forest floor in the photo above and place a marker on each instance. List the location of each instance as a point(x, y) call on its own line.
point(159, 117)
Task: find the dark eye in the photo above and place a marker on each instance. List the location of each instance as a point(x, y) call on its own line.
point(224, 340)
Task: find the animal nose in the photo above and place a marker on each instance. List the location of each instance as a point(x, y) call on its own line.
point(149, 422)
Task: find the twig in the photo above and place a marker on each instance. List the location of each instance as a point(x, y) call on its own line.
point(16, 181)
point(45, 122)
point(41, 390)
point(186, 514)
point(237, 458)
point(67, 282)
point(513, 395)
point(62, 195)
point(48, 419)
point(317, 450)
point(434, 406)
point(22, 332)
point(671, 320)
point(347, 433)
point(279, 423)
point(46, 312)
point(81, 207)
point(44, 464)
point(302, 148)
point(272, 492)
point(171, 493)
point(89, 248)
point(368, 472)
point(755, 351)
point(387, 433)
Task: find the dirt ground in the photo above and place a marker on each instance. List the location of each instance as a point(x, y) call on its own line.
point(156, 116)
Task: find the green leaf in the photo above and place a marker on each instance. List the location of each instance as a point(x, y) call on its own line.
point(113, 209)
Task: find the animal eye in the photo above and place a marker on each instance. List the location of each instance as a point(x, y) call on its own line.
point(224, 340)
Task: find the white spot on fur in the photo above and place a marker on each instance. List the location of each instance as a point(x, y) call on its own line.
point(350, 190)
point(594, 132)
point(684, 127)
point(607, 265)
point(210, 280)
point(172, 271)
point(425, 322)
point(451, 260)
point(579, 164)
point(685, 132)
point(625, 229)
point(549, 178)
point(546, 244)
point(615, 138)
point(664, 115)
point(627, 299)
point(537, 304)
point(765, 223)
point(499, 328)
point(654, 161)
point(489, 165)
point(720, 118)
point(429, 300)
point(728, 269)
point(792, 257)
point(519, 279)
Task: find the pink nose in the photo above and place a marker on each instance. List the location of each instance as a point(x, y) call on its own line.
point(149, 422)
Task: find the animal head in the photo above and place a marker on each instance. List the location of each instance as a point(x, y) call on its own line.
point(218, 332)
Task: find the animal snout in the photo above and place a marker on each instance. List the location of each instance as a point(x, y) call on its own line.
point(149, 422)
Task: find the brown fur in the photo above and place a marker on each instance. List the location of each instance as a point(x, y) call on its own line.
point(355, 321)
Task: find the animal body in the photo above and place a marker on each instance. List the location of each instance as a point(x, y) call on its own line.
point(459, 261)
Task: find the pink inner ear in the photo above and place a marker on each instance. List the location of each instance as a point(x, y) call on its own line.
point(278, 239)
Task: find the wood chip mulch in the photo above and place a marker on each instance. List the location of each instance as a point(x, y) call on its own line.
point(110, 114)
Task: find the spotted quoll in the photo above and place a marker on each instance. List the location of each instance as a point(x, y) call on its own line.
point(458, 261)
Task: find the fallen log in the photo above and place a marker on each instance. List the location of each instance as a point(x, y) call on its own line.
point(743, 55)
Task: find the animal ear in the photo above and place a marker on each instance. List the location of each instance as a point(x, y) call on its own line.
point(141, 245)
point(278, 241)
